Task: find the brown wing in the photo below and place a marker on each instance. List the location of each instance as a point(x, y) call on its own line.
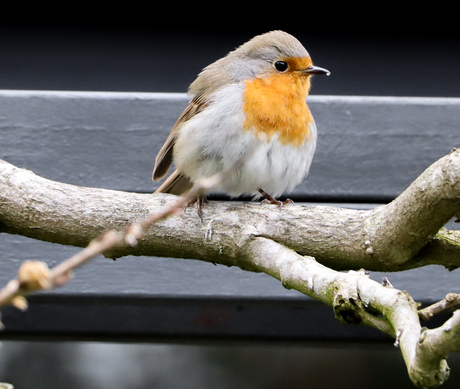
point(165, 155)
point(177, 183)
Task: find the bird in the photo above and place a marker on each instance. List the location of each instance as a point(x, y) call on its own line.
point(249, 106)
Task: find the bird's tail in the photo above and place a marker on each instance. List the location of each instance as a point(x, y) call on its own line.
point(177, 183)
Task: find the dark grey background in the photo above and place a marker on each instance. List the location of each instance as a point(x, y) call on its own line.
point(364, 58)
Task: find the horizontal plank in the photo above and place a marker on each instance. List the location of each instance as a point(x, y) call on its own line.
point(180, 320)
point(369, 148)
point(106, 140)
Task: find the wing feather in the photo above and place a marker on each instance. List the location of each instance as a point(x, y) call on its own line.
point(164, 157)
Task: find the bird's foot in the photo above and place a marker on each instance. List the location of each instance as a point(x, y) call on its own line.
point(271, 200)
point(200, 201)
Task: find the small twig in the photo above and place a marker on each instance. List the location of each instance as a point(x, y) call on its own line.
point(451, 301)
point(35, 275)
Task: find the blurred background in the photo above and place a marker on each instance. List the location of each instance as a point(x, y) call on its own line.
point(373, 49)
point(135, 57)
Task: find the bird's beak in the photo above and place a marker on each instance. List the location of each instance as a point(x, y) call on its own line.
point(316, 70)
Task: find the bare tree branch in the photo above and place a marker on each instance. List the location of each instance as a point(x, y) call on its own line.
point(388, 238)
point(435, 344)
point(451, 301)
point(359, 300)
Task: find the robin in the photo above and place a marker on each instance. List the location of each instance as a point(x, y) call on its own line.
point(258, 89)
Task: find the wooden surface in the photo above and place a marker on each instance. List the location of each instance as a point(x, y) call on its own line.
point(369, 150)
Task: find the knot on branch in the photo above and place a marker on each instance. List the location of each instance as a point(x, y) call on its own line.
point(348, 305)
point(348, 310)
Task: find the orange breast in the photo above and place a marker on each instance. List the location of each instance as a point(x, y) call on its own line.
point(276, 105)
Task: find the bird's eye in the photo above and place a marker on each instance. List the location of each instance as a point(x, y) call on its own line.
point(281, 66)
